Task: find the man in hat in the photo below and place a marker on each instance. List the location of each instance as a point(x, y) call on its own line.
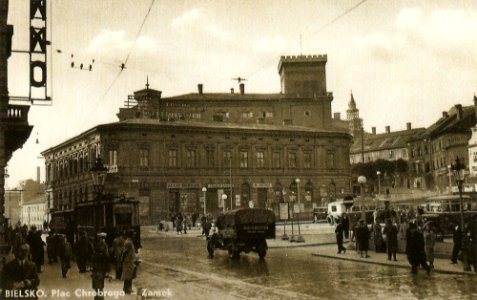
point(100, 259)
point(19, 277)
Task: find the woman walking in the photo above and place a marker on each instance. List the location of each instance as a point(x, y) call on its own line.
point(128, 259)
point(429, 243)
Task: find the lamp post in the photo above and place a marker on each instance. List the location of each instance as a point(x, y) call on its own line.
point(98, 175)
point(379, 181)
point(224, 198)
point(449, 168)
point(458, 168)
point(204, 189)
point(299, 239)
point(292, 216)
point(362, 181)
point(285, 236)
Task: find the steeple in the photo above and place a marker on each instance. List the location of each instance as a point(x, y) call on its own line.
point(147, 82)
point(352, 116)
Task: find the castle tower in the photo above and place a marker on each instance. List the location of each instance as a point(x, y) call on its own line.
point(303, 75)
point(352, 115)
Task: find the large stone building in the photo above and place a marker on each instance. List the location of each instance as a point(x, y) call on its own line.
point(251, 147)
point(436, 149)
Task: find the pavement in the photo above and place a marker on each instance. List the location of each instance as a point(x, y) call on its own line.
point(322, 239)
point(76, 285)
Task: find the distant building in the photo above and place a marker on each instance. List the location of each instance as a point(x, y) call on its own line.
point(250, 147)
point(435, 150)
point(34, 213)
point(13, 201)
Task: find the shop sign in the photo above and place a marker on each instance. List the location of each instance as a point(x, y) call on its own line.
point(261, 185)
point(186, 185)
point(219, 186)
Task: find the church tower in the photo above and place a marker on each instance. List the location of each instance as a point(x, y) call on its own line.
point(352, 116)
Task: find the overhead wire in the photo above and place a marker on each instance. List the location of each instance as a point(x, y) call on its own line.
point(349, 10)
point(122, 68)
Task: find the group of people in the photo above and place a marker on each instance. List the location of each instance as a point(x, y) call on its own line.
point(26, 258)
point(420, 240)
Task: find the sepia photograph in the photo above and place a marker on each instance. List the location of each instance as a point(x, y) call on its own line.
point(255, 149)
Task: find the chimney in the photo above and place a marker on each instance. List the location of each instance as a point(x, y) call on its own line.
point(337, 116)
point(373, 130)
point(408, 126)
point(200, 87)
point(232, 90)
point(388, 129)
point(38, 174)
point(242, 88)
point(458, 108)
point(445, 114)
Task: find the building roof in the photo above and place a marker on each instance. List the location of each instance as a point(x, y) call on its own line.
point(236, 96)
point(452, 123)
point(147, 123)
point(385, 141)
point(224, 125)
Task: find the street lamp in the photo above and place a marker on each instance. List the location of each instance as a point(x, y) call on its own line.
point(379, 181)
point(299, 239)
point(98, 175)
point(458, 168)
point(449, 168)
point(204, 189)
point(285, 236)
point(224, 198)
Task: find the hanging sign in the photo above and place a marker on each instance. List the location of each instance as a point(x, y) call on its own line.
point(38, 51)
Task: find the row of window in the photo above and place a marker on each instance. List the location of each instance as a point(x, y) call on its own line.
point(259, 158)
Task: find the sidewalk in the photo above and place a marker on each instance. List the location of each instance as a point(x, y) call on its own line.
point(311, 237)
point(441, 265)
point(76, 285)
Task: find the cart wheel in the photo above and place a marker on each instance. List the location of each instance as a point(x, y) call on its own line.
point(210, 248)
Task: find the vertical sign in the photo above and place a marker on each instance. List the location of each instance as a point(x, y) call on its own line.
point(38, 50)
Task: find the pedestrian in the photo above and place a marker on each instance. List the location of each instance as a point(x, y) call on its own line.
point(415, 249)
point(99, 259)
point(184, 223)
point(118, 248)
point(83, 251)
point(429, 243)
point(37, 249)
point(457, 239)
point(362, 237)
point(202, 223)
point(378, 237)
point(207, 227)
point(345, 222)
point(391, 232)
point(65, 253)
point(339, 236)
point(19, 276)
point(128, 265)
point(18, 240)
point(51, 247)
point(471, 231)
point(195, 215)
point(178, 223)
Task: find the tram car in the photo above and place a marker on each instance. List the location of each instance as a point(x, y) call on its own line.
point(112, 214)
point(243, 230)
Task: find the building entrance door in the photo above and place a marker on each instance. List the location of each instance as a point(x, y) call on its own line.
point(262, 198)
point(174, 202)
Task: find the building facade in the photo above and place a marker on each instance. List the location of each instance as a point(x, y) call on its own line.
point(250, 147)
point(14, 127)
point(34, 213)
point(13, 201)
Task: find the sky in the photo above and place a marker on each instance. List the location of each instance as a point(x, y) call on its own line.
point(404, 61)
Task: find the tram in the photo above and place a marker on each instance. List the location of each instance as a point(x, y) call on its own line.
point(112, 214)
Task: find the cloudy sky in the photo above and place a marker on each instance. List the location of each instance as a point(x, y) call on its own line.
point(405, 61)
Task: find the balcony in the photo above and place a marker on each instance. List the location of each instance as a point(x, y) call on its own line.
point(17, 128)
